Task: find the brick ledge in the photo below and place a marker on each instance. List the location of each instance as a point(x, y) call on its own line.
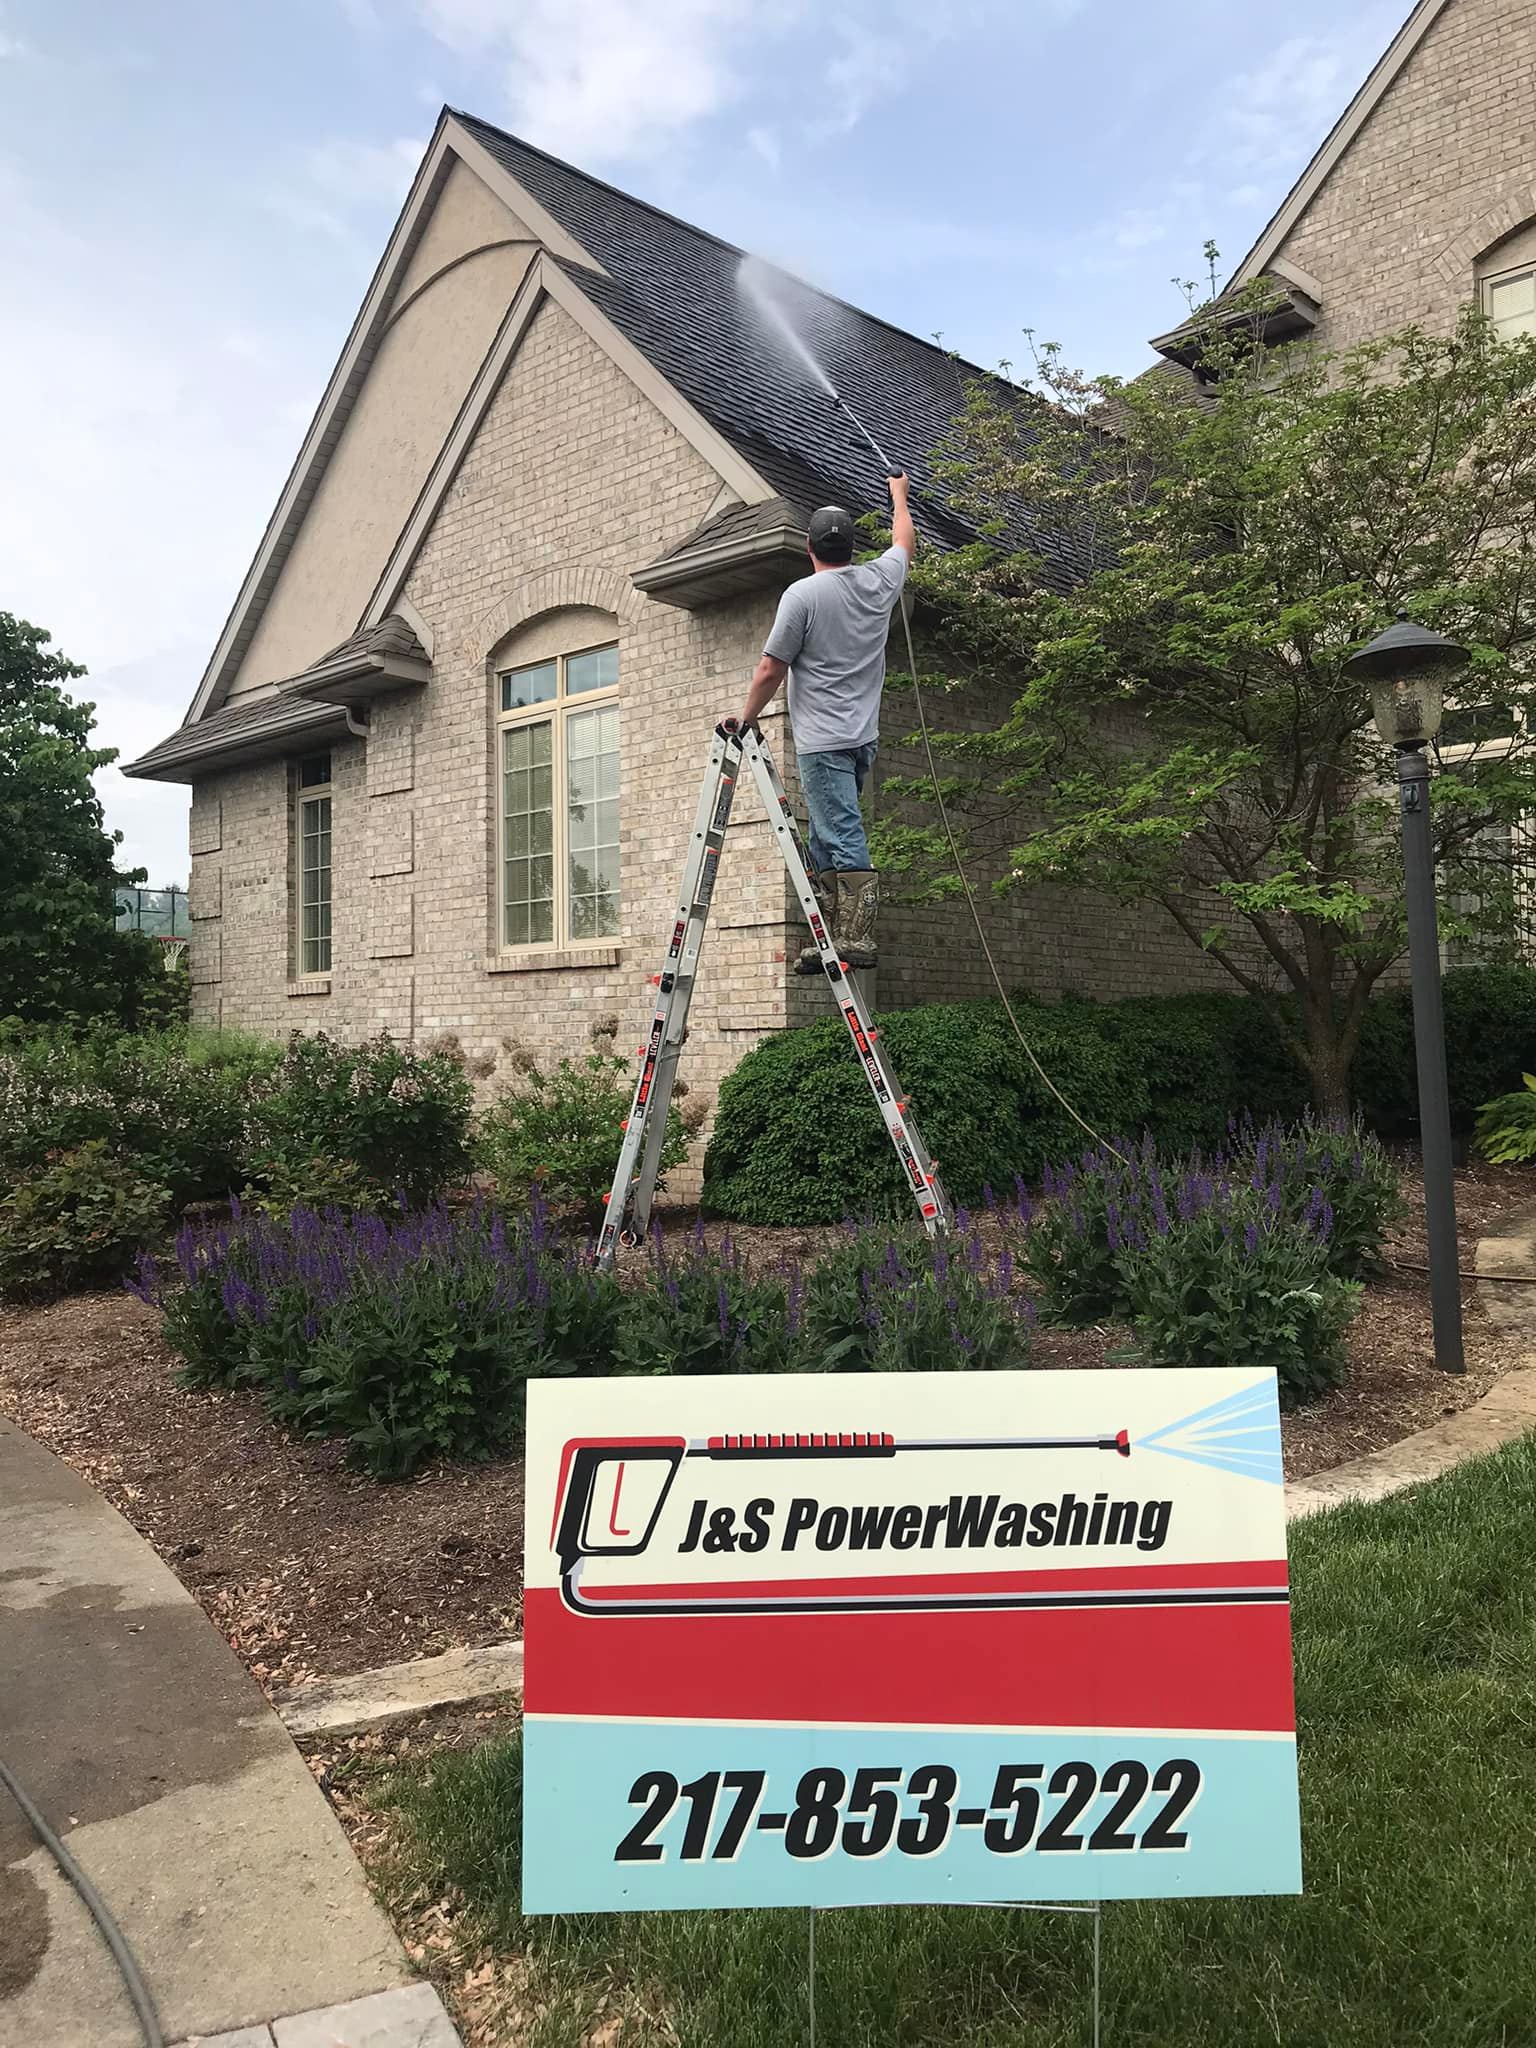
point(547, 963)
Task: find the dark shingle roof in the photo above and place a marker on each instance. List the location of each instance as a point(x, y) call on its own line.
point(389, 636)
point(672, 290)
point(246, 731)
point(242, 731)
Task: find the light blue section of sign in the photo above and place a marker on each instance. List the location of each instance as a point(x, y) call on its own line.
point(1243, 1828)
point(1240, 1435)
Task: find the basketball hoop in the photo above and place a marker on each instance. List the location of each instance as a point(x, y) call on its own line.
point(172, 953)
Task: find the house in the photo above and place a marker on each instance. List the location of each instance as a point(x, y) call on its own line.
point(1419, 201)
point(446, 753)
point(1421, 197)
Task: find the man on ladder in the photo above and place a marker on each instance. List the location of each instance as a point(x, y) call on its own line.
point(829, 639)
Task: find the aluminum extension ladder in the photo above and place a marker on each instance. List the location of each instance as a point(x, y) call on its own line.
point(628, 1213)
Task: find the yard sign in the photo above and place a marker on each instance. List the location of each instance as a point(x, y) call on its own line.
point(890, 1638)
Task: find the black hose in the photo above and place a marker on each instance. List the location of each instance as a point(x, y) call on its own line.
point(96, 1906)
point(970, 898)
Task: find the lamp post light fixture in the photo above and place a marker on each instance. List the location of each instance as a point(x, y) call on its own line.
point(1405, 668)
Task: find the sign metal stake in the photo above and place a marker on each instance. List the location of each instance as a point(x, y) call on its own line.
point(811, 1973)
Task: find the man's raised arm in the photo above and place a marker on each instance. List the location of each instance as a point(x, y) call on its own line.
point(903, 532)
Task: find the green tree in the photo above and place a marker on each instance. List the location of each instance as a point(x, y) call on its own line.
point(1182, 731)
point(60, 959)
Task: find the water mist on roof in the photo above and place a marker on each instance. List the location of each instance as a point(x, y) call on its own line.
point(762, 286)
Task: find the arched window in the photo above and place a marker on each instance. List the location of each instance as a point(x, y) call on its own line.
point(557, 756)
point(1507, 283)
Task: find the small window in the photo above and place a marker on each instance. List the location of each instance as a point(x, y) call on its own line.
point(312, 863)
point(558, 743)
point(1510, 303)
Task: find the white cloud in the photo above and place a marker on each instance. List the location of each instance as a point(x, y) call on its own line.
point(135, 477)
point(766, 143)
point(339, 188)
point(365, 173)
point(1272, 117)
point(630, 79)
point(869, 67)
point(620, 80)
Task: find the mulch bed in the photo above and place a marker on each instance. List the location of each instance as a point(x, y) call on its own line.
point(308, 1568)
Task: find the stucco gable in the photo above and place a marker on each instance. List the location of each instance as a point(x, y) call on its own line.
point(470, 256)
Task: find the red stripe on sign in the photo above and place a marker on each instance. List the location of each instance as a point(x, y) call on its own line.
point(1129, 1667)
point(1149, 1577)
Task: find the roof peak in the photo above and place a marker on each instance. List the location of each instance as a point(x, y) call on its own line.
point(719, 241)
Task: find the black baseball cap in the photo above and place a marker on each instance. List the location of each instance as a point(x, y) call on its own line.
point(830, 534)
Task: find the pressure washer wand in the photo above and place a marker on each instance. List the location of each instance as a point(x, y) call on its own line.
point(890, 468)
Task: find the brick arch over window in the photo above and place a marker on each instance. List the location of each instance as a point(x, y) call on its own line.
point(550, 590)
point(1457, 261)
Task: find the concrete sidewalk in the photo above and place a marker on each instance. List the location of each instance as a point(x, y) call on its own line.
point(136, 1731)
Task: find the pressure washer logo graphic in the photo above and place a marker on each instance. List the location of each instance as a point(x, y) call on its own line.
point(612, 1491)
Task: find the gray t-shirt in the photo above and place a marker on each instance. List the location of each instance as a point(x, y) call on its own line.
point(831, 629)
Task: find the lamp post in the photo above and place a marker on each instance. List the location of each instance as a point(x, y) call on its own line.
point(1405, 668)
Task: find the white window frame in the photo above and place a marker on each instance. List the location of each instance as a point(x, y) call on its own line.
point(306, 795)
point(1511, 276)
point(1469, 753)
point(557, 712)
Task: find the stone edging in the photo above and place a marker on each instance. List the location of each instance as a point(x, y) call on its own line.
point(1506, 1411)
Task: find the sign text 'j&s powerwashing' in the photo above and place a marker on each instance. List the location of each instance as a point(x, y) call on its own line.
point(896, 1638)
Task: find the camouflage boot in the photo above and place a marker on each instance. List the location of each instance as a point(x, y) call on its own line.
point(858, 908)
point(809, 961)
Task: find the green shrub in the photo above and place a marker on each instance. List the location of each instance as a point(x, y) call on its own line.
point(899, 1301)
point(313, 1183)
point(797, 1139)
point(701, 1311)
point(408, 1336)
point(1490, 1041)
point(561, 1133)
point(399, 1118)
point(1334, 1181)
point(79, 1220)
point(171, 1105)
point(1327, 1167)
point(1237, 1286)
point(1506, 1127)
point(1071, 1250)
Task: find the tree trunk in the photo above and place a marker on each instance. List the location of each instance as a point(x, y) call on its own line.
point(1327, 1062)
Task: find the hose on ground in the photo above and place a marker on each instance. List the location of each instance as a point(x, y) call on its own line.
point(97, 1907)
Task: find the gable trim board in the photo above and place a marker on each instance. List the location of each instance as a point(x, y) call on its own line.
point(325, 428)
point(518, 200)
point(452, 141)
point(547, 280)
point(1349, 124)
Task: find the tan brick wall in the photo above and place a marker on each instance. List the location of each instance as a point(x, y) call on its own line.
point(573, 481)
point(1444, 168)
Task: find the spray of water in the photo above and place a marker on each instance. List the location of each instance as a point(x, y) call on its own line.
point(762, 286)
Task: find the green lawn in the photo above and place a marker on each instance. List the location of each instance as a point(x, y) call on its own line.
point(1416, 1671)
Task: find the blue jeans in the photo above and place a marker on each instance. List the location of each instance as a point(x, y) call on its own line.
point(832, 782)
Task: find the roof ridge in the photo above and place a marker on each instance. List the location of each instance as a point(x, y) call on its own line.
point(732, 248)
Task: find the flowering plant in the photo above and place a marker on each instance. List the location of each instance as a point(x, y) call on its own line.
point(389, 1118)
point(894, 1300)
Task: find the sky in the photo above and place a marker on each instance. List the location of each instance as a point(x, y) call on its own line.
point(194, 193)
